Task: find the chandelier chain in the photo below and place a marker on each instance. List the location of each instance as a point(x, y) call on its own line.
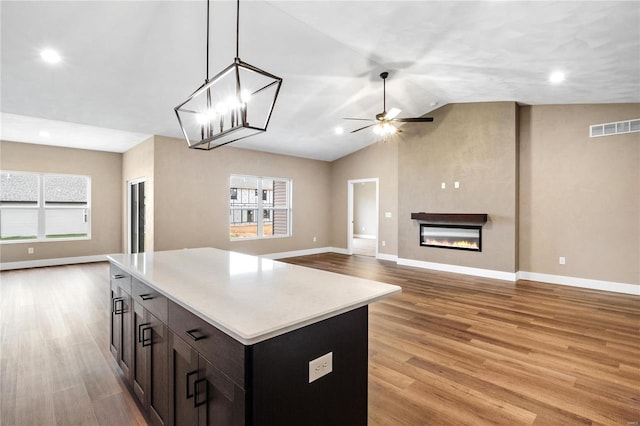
point(237, 28)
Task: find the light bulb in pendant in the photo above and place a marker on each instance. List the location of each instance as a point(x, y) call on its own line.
point(245, 96)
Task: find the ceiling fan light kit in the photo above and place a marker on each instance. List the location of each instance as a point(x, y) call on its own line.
point(383, 123)
point(234, 104)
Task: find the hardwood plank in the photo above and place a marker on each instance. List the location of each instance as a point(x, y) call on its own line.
point(451, 349)
point(484, 351)
point(55, 364)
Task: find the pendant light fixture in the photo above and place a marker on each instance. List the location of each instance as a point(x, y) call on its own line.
point(234, 104)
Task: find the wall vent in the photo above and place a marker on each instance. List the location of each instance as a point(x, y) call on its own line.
point(608, 129)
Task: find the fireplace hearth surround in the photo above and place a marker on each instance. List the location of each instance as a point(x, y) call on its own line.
point(459, 231)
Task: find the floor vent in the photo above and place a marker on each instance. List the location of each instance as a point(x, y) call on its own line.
point(608, 129)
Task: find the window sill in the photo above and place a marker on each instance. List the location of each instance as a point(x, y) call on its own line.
point(271, 237)
point(43, 240)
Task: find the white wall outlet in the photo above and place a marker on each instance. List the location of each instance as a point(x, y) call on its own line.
point(387, 214)
point(315, 239)
point(443, 185)
point(456, 184)
point(562, 260)
point(320, 367)
point(384, 243)
point(30, 250)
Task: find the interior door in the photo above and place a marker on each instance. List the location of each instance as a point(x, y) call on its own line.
point(136, 216)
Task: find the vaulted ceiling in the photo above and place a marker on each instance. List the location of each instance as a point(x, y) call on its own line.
point(126, 64)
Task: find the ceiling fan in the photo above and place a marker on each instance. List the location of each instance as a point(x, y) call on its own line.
point(384, 121)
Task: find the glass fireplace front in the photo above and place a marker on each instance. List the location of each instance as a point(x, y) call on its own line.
point(460, 237)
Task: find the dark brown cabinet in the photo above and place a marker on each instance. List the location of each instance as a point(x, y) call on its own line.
point(184, 371)
point(210, 365)
point(223, 400)
point(149, 377)
point(121, 338)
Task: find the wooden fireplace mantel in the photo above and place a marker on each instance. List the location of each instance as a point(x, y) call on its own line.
point(468, 218)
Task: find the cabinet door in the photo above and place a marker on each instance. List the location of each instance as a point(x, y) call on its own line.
point(183, 373)
point(219, 400)
point(125, 356)
point(158, 373)
point(141, 343)
point(121, 344)
point(115, 343)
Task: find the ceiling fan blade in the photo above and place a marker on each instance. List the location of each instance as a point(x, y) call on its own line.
point(362, 128)
point(393, 112)
point(359, 119)
point(414, 120)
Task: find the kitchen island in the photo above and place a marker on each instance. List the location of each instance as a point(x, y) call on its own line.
point(206, 336)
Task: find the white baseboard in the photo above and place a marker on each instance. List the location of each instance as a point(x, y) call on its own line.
point(487, 273)
point(339, 250)
point(364, 236)
point(581, 282)
point(6, 266)
point(305, 252)
point(384, 256)
point(296, 253)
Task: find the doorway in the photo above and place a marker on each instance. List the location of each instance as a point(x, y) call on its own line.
point(362, 238)
point(136, 216)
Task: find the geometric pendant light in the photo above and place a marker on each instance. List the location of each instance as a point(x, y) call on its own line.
point(234, 104)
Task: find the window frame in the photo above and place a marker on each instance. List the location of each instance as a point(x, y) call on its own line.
point(41, 207)
point(260, 208)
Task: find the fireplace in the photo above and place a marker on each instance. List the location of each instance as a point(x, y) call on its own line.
point(459, 237)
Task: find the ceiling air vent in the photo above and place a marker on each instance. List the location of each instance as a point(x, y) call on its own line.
point(608, 129)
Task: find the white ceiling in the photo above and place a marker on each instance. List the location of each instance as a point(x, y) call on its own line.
point(127, 64)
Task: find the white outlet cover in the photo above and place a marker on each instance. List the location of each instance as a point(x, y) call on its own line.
point(443, 185)
point(320, 366)
point(387, 214)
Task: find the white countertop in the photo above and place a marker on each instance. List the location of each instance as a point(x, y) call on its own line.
point(250, 298)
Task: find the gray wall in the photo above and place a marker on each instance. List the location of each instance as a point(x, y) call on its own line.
point(379, 160)
point(105, 169)
point(474, 144)
point(192, 197)
point(579, 196)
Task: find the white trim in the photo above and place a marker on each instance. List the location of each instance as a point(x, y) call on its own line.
point(296, 253)
point(339, 250)
point(487, 273)
point(52, 262)
point(384, 256)
point(306, 252)
point(581, 282)
point(364, 236)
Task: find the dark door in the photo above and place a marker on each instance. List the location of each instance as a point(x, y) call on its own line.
point(137, 206)
point(183, 374)
point(121, 344)
point(158, 393)
point(219, 400)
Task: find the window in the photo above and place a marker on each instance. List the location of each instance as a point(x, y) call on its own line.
point(44, 207)
point(259, 207)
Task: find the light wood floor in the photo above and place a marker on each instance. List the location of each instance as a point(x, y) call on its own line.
point(450, 349)
point(454, 350)
point(55, 364)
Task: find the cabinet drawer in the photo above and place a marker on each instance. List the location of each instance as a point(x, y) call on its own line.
point(153, 301)
point(120, 278)
point(223, 351)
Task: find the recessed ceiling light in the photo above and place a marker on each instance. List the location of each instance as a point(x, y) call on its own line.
point(45, 134)
point(556, 77)
point(51, 56)
point(339, 130)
